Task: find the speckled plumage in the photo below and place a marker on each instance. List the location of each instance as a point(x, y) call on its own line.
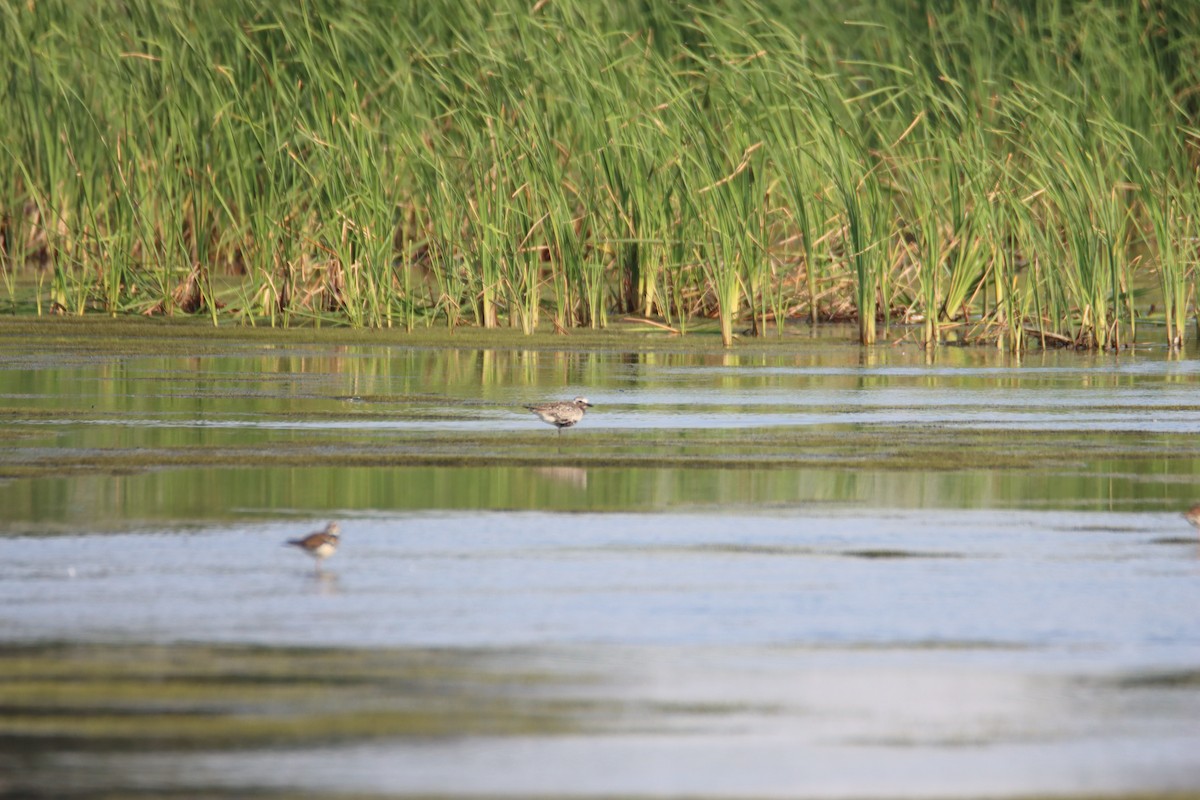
point(561, 414)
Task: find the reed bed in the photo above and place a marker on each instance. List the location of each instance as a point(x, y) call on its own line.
point(1000, 171)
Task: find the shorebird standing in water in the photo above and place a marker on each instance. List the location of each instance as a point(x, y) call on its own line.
point(562, 414)
point(1192, 515)
point(320, 545)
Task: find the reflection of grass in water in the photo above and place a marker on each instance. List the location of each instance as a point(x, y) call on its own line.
point(1177, 679)
point(249, 377)
point(196, 696)
point(1190, 541)
point(833, 447)
point(83, 336)
point(884, 553)
point(748, 549)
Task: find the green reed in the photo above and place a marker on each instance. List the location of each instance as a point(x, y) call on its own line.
point(786, 123)
point(1175, 221)
point(1024, 174)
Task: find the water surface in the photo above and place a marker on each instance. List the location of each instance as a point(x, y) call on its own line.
point(801, 570)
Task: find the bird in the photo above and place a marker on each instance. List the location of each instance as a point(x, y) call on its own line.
point(319, 544)
point(1192, 515)
point(561, 414)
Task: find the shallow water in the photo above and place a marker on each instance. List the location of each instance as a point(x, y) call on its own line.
point(803, 571)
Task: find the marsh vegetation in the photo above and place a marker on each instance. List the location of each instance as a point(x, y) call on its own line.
point(1017, 174)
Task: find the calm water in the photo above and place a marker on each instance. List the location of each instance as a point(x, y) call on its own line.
point(809, 572)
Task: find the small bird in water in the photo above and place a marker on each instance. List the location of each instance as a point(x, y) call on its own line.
point(1192, 515)
point(321, 544)
point(562, 414)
